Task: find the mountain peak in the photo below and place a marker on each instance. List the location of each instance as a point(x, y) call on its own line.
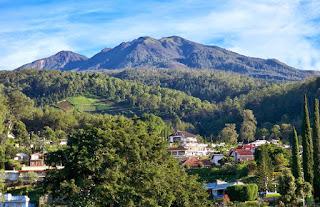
point(60, 60)
point(171, 52)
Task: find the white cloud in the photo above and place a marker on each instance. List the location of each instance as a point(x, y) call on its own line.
point(286, 30)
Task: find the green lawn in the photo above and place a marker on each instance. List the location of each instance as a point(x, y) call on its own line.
point(96, 105)
point(85, 104)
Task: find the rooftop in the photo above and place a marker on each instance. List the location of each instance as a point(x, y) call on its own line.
point(184, 134)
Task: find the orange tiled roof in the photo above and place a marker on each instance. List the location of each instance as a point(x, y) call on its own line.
point(194, 162)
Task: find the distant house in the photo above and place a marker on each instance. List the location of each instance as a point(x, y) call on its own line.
point(242, 155)
point(216, 157)
point(11, 175)
point(219, 188)
point(258, 143)
point(63, 142)
point(248, 147)
point(36, 159)
point(177, 152)
point(190, 143)
point(193, 162)
point(14, 201)
point(21, 157)
point(39, 170)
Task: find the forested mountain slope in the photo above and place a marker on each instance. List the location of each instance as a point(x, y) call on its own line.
point(175, 52)
point(271, 104)
point(211, 85)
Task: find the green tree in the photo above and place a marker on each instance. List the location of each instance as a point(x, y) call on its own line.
point(31, 177)
point(248, 126)
point(229, 134)
point(307, 154)
point(116, 162)
point(20, 132)
point(20, 105)
point(225, 160)
point(48, 133)
point(2, 183)
point(264, 165)
point(287, 187)
point(281, 161)
point(316, 148)
point(296, 161)
point(275, 132)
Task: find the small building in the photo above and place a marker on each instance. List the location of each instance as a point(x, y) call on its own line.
point(182, 136)
point(63, 142)
point(194, 162)
point(14, 201)
point(21, 157)
point(36, 159)
point(39, 170)
point(216, 157)
point(242, 155)
point(219, 188)
point(177, 152)
point(189, 141)
point(11, 176)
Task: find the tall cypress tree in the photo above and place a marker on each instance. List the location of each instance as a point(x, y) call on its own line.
point(316, 148)
point(296, 162)
point(307, 154)
point(265, 169)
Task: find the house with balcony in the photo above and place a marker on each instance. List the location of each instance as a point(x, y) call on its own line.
point(188, 144)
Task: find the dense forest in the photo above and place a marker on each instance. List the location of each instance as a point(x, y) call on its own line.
point(275, 106)
point(211, 85)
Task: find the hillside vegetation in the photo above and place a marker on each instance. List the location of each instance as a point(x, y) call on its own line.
point(272, 104)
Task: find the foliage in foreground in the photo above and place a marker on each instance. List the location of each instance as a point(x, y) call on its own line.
point(118, 162)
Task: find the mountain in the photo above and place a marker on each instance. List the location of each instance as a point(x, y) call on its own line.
point(176, 52)
point(65, 60)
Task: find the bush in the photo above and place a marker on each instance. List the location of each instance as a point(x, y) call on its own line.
point(200, 165)
point(248, 192)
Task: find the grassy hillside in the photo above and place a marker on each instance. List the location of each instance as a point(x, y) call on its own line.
point(94, 105)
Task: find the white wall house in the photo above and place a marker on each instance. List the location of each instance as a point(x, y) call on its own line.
point(219, 188)
point(190, 143)
point(21, 156)
point(216, 157)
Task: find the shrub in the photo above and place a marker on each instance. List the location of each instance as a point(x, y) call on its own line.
point(200, 165)
point(247, 192)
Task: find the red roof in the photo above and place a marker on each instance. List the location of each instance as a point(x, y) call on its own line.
point(247, 146)
point(243, 151)
point(194, 162)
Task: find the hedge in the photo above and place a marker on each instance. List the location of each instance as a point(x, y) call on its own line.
point(247, 192)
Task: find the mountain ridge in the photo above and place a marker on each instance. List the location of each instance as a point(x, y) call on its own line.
point(173, 52)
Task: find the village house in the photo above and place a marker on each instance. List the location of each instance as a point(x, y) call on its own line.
point(189, 142)
point(216, 157)
point(11, 176)
point(219, 188)
point(21, 157)
point(193, 163)
point(177, 152)
point(242, 155)
point(14, 201)
point(36, 159)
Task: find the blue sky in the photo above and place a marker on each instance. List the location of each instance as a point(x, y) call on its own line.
point(287, 30)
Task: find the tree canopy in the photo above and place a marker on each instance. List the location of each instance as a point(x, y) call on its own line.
point(116, 162)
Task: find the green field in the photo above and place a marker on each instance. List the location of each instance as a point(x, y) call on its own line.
point(93, 105)
point(84, 104)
